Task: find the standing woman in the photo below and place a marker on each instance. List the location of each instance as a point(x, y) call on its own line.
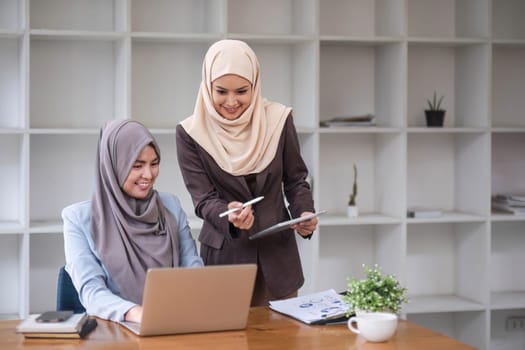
point(127, 227)
point(237, 146)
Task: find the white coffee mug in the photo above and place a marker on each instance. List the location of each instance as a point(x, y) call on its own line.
point(374, 326)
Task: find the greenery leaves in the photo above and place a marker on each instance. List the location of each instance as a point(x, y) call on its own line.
point(377, 292)
point(435, 104)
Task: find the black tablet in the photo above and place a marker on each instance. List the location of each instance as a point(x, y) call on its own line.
point(284, 225)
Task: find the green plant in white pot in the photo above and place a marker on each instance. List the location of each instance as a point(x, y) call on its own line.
point(352, 210)
point(377, 292)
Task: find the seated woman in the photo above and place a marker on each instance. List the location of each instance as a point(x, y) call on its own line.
point(127, 227)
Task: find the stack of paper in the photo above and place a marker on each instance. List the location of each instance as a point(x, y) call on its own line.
point(508, 203)
point(356, 120)
point(317, 308)
point(76, 326)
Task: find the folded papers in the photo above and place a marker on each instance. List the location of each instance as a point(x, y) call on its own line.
point(509, 203)
point(353, 120)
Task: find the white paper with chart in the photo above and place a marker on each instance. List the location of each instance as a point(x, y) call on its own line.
point(312, 308)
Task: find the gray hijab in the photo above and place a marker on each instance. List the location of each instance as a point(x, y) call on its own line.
point(130, 235)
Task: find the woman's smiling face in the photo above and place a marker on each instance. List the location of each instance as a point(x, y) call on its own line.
point(231, 95)
point(143, 174)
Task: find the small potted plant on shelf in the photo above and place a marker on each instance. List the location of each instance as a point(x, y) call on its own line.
point(435, 115)
point(377, 292)
point(352, 210)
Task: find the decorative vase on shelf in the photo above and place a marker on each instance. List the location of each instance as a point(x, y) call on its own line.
point(352, 211)
point(435, 115)
point(435, 118)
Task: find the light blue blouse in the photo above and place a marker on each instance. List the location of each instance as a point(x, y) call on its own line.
point(97, 291)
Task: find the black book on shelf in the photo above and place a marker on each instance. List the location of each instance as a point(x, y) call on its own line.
point(356, 120)
point(424, 212)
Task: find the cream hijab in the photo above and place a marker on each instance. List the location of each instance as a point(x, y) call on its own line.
point(130, 235)
point(249, 143)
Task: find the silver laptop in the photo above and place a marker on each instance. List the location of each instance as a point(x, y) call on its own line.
point(195, 299)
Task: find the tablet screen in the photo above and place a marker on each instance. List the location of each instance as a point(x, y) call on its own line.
point(284, 225)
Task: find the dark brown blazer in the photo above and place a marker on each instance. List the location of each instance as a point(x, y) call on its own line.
point(212, 189)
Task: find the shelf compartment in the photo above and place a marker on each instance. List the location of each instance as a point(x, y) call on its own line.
point(11, 270)
point(8, 227)
point(450, 217)
point(500, 336)
point(54, 185)
point(165, 79)
point(362, 219)
point(508, 79)
point(362, 18)
point(507, 245)
point(497, 217)
point(76, 84)
point(446, 130)
point(448, 18)
point(507, 300)
point(508, 166)
point(11, 83)
point(379, 159)
point(358, 130)
point(360, 79)
point(378, 244)
point(11, 15)
point(46, 257)
point(288, 72)
point(268, 17)
point(461, 185)
point(192, 38)
point(446, 266)
point(12, 167)
point(466, 326)
point(179, 16)
point(441, 303)
point(46, 34)
point(459, 73)
point(507, 19)
point(97, 15)
point(46, 226)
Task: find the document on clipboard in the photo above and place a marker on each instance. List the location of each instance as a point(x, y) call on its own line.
point(284, 225)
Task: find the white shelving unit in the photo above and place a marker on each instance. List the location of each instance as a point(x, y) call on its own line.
point(68, 67)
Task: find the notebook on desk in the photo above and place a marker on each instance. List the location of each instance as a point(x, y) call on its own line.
point(196, 299)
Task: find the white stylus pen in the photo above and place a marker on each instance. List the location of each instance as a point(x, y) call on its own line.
point(244, 205)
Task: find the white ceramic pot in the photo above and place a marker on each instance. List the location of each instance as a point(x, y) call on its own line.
point(352, 211)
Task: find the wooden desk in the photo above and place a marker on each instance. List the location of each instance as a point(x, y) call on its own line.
point(266, 330)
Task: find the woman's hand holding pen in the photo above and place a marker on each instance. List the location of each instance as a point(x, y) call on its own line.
point(306, 228)
point(242, 219)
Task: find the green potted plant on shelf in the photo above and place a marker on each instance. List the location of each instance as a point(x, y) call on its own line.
point(435, 115)
point(352, 210)
point(377, 292)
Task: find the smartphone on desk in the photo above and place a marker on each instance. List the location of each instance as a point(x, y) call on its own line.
point(54, 316)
